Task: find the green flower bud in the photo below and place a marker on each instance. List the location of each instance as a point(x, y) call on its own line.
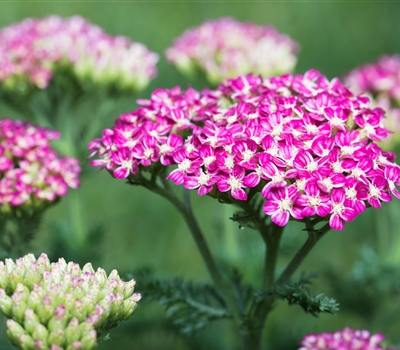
point(5, 303)
point(56, 337)
point(40, 333)
point(31, 321)
point(26, 342)
point(89, 341)
point(14, 331)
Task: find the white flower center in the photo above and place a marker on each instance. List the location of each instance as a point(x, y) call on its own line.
point(277, 130)
point(185, 165)
point(351, 193)
point(252, 116)
point(229, 163)
point(335, 121)
point(189, 148)
point(347, 150)
point(148, 153)
point(127, 164)
point(234, 183)
point(369, 129)
point(314, 201)
point(256, 139)
point(247, 154)
point(301, 184)
point(374, 191)
point(208, 160)
point(203, 179)
point(312, 166)
point(131, 143)
point(357, 172)
point(312, 129)
point(337, 167)
point(285, 204)
point(213, 140)
point(327, 183)
point(164, 149)
point(278, 178)
point(338, 208)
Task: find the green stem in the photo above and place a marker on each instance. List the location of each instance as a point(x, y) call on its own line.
point(313, 237)
point(184, 207)
point(77, 221)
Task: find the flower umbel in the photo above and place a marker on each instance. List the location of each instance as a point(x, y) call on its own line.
point(226, 48)
point(306, 144)
point(31, 52)
point(31, 174)
point(59, 305)
point(347, 339)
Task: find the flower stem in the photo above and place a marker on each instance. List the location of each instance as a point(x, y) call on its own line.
point(184, 207)
point(313, 237)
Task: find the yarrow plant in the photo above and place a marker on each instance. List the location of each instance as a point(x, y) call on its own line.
point(59, 305)
point(381, 82)
point(292, 147)
point(347, 339)
point(226, 48)
point(33, 50)
point(32, 178)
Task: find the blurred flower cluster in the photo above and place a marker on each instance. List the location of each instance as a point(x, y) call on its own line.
point(60, 306)
point(304, 142)
point(347, 339)
point(31, 52)
point(31, 174)
point(226, 48)
point(381, 82)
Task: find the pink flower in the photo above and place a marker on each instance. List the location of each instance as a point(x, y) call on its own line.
point(304, 143)
point(347, 339)
point(280, 205)
point(225, 48)
point(29, 168)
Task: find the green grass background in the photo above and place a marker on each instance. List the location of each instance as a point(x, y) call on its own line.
point(142, 230)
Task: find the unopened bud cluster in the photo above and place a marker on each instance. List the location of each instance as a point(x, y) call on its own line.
point(347, 339)
point(59, 305)
point(226, 48)
point(31, 51)
point(31, 174)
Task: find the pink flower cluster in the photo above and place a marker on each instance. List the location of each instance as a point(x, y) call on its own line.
point(304, 142)
point(30, 51)
point(30, 172)
point(347, 339)
point(380, 81)
point(226, 48)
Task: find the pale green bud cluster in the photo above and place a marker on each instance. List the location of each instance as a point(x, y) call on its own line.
point(60, 306)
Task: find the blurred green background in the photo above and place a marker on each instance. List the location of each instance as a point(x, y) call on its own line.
point(142, 230)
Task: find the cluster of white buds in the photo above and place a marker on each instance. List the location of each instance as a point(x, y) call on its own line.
point(60, 306)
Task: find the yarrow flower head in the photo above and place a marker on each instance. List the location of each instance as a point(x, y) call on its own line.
point(31, 174)
point(59, 305)
point(226, 48)
point(347, 339)
point(304, 143)
point(381, 82)
point(31, 52)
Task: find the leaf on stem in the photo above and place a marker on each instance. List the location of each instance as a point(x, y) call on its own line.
point(299, 293)
point(190, 306)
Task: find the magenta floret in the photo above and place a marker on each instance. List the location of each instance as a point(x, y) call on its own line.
point(304, 142)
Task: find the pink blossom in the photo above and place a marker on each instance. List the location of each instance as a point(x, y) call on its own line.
point(225, 48)
point(303, 143)
point(346, 339)
point(30, 169)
